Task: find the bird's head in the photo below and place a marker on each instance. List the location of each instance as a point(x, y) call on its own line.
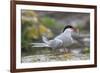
point(70, 28)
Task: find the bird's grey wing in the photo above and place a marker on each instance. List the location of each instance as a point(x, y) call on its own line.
point(56, 43)
point(78, 38)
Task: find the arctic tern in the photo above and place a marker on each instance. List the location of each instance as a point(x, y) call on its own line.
point(66, 38)
point(69, 36)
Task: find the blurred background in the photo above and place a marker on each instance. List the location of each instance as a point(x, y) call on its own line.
point(35, 24)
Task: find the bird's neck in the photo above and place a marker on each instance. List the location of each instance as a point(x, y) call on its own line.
point(68, 30)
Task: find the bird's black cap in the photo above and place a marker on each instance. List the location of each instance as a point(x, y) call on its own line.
point(68, 26)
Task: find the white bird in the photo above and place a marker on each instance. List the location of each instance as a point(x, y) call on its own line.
point(66, 38)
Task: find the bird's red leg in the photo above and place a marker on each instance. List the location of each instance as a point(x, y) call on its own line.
point(65, 53)
point(67, 50)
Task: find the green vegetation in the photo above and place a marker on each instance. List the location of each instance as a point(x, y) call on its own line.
point(86, 50)
point(33, 27)
point(47, 21)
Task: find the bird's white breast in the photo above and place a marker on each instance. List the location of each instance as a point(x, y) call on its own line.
point(66, 38)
